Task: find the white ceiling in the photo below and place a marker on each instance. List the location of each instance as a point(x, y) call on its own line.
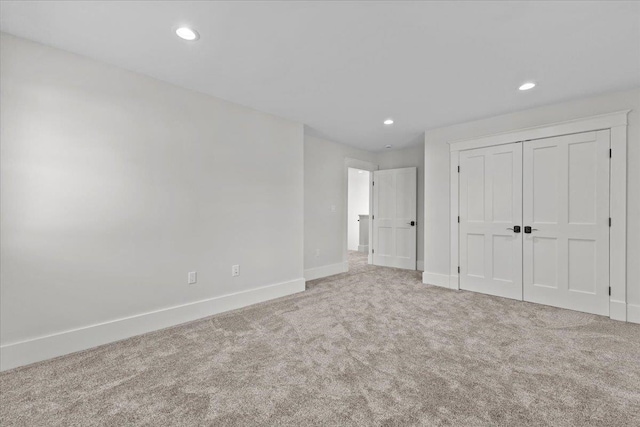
point(343, 67)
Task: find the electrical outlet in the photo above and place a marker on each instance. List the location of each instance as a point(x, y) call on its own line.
point(192, 277)
point(235, 270)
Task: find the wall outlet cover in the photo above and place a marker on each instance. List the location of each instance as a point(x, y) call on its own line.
point(192, 277)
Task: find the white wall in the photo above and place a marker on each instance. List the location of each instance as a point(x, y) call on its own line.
point(325, 185)
point(410, 157)
point(115, 185)
point(436, 233)
point(358, 204)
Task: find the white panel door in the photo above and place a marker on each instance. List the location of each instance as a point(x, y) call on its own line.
point(490, 215)
point(566, 204)
point(394, 218)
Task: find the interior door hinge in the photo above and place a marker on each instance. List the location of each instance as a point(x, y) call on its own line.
point(458, 169)
point(609, 221)
point(458, 269)
point(609, 290)
point(609, 152)
point(373, 251)
point(373, 183)
point(373, 217)
point(458, 219)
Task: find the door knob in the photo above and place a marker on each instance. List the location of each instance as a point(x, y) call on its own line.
point(412, 223)
point(515, 229)
point(528, 229)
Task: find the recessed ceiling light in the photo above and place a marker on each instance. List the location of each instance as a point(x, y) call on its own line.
point(187, 33)
point(527, 86)
point(387, 146)
point(388, 122)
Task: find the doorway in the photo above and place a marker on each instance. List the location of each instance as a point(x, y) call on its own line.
point(358, 203)
point(385, 227)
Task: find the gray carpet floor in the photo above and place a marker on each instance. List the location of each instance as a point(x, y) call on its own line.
point(370, 347)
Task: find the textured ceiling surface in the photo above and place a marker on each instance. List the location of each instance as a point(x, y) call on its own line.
point(343, 67)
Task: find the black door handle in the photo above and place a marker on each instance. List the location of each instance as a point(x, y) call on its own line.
point(412, 223)
point(515, 229)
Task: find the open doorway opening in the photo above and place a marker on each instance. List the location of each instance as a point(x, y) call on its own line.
point(358, 205)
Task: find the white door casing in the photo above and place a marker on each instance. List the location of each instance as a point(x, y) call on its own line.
point(394, 218)
point(490, 218)
point(566, 204)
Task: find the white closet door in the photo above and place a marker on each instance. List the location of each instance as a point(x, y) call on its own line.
point(394, 218)
point(566, 204)
point(490, 211)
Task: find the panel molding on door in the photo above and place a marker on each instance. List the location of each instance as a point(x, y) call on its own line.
point(490, 209)
point(566, 205)
point(394, 218)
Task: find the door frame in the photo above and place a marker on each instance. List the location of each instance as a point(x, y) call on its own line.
point(616, 122)
point(363, 165)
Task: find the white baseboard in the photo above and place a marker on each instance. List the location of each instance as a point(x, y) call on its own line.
point(436, 279)
point(420, 265)
point(633, 313)
point(46, 347)
point(326, 270)
point(618, 310)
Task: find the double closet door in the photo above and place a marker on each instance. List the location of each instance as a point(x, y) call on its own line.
point(534, 221)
